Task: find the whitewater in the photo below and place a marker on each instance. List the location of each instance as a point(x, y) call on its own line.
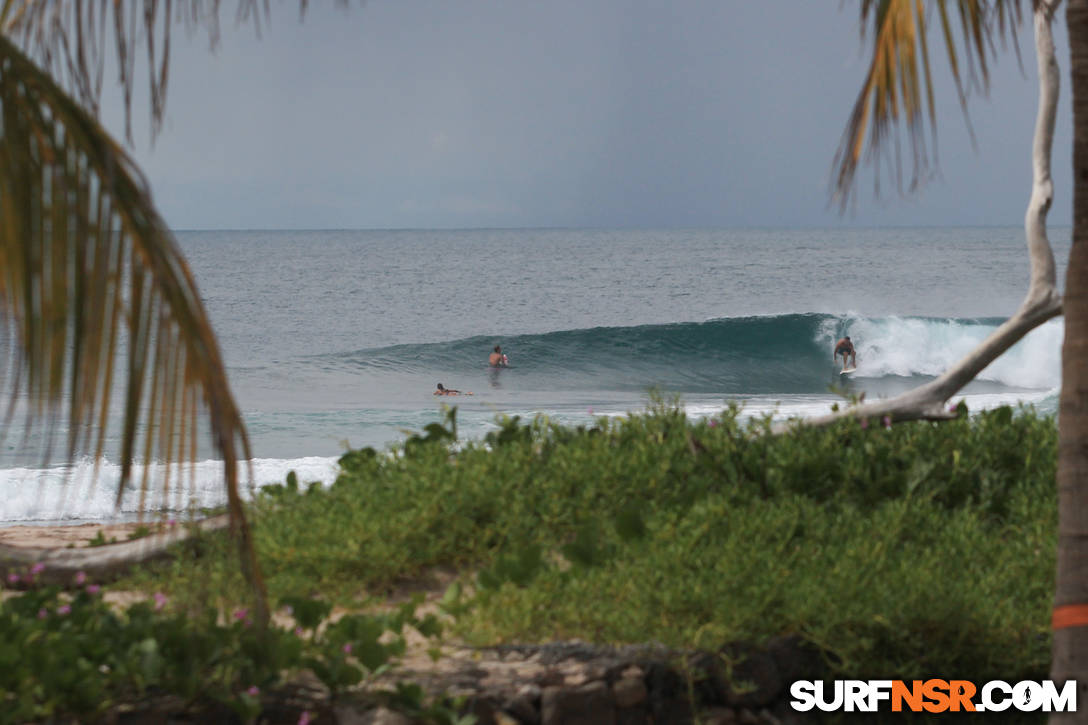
point(336, 339)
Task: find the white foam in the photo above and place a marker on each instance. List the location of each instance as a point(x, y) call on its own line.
point(809, 406)
point(66, 493)
point(911, 346)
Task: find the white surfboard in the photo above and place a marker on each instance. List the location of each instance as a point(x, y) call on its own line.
point(847, 371)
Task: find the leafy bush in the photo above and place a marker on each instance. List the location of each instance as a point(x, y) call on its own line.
point(905, 550)
point(64, 655)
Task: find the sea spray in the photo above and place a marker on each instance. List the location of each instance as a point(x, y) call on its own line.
point(69, 494)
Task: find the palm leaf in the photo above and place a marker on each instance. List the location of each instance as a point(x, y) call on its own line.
point(86, 264)
point(70, 40)
point(899, 76)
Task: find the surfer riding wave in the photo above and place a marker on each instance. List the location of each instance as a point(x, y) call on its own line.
point(845, 348)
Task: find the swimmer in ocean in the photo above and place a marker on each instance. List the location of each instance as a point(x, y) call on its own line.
point(448, 391)
point(496, 359)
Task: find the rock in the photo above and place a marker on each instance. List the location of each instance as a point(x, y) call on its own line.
point(501, 718)
point(525, 704)
point(796, 659)
point(550, 677)
point(708, 680)
point(574, 679)
point(632, 716)
point(532, 692)
point(668, 695)
point(629, 692)
point(523, 708)
point(754, 680)
point(483, 707)
point(595, 670)
point(589, 704)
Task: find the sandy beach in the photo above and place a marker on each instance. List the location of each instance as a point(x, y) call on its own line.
point(61, 536)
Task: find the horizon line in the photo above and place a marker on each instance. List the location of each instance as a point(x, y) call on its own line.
point(753, 227)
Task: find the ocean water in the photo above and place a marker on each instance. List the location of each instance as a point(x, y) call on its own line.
point(338, 338)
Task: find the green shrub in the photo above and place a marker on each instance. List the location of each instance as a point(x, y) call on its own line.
point(904, 550)
point(67, 655)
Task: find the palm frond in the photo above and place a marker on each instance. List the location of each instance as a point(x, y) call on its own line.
point(86, 266)
point(900, 74)
point(71, 38)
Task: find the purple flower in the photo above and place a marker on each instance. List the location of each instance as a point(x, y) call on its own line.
point(952, 409)
point(93, 588)
point(37, 568)
point(160, 601)
point(864, 423)
point(63, 609)
point(887, 421)
point(253, 691)
point(298, 631)
point(13, 578)
point(172, 522)
point(304, 718)
point(80, 578)
point(347, 648)
point(241, 613)
point(42, 614)
point(591, 411)
point(712, 423)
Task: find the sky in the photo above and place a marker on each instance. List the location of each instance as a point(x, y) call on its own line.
point(611, 113)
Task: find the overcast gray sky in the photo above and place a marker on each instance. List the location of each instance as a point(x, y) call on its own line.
point(610, 113)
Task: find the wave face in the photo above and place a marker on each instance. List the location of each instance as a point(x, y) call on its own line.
point(786, 354)
point(780, 365)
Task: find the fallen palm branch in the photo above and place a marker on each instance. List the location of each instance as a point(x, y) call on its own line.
point(48, 565)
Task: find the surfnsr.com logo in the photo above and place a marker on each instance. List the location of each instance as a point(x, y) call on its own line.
point(933, 696)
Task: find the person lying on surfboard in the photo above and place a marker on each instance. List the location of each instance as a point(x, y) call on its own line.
point(448, 391)
point(496, 359)
point(845, 348)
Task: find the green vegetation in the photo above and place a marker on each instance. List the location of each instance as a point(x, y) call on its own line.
point(101, 540)
point(905, 551)
point(140, 532)
point(64, 655)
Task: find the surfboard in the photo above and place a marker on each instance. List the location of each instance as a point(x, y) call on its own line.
point(847, 371)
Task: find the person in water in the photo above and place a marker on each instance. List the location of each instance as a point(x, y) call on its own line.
point(496, 359)
point(448, 391)
point(845, 348)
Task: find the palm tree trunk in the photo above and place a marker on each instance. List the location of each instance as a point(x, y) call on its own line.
point(1070, 653)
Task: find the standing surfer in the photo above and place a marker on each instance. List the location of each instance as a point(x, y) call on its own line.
point(845, 348)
